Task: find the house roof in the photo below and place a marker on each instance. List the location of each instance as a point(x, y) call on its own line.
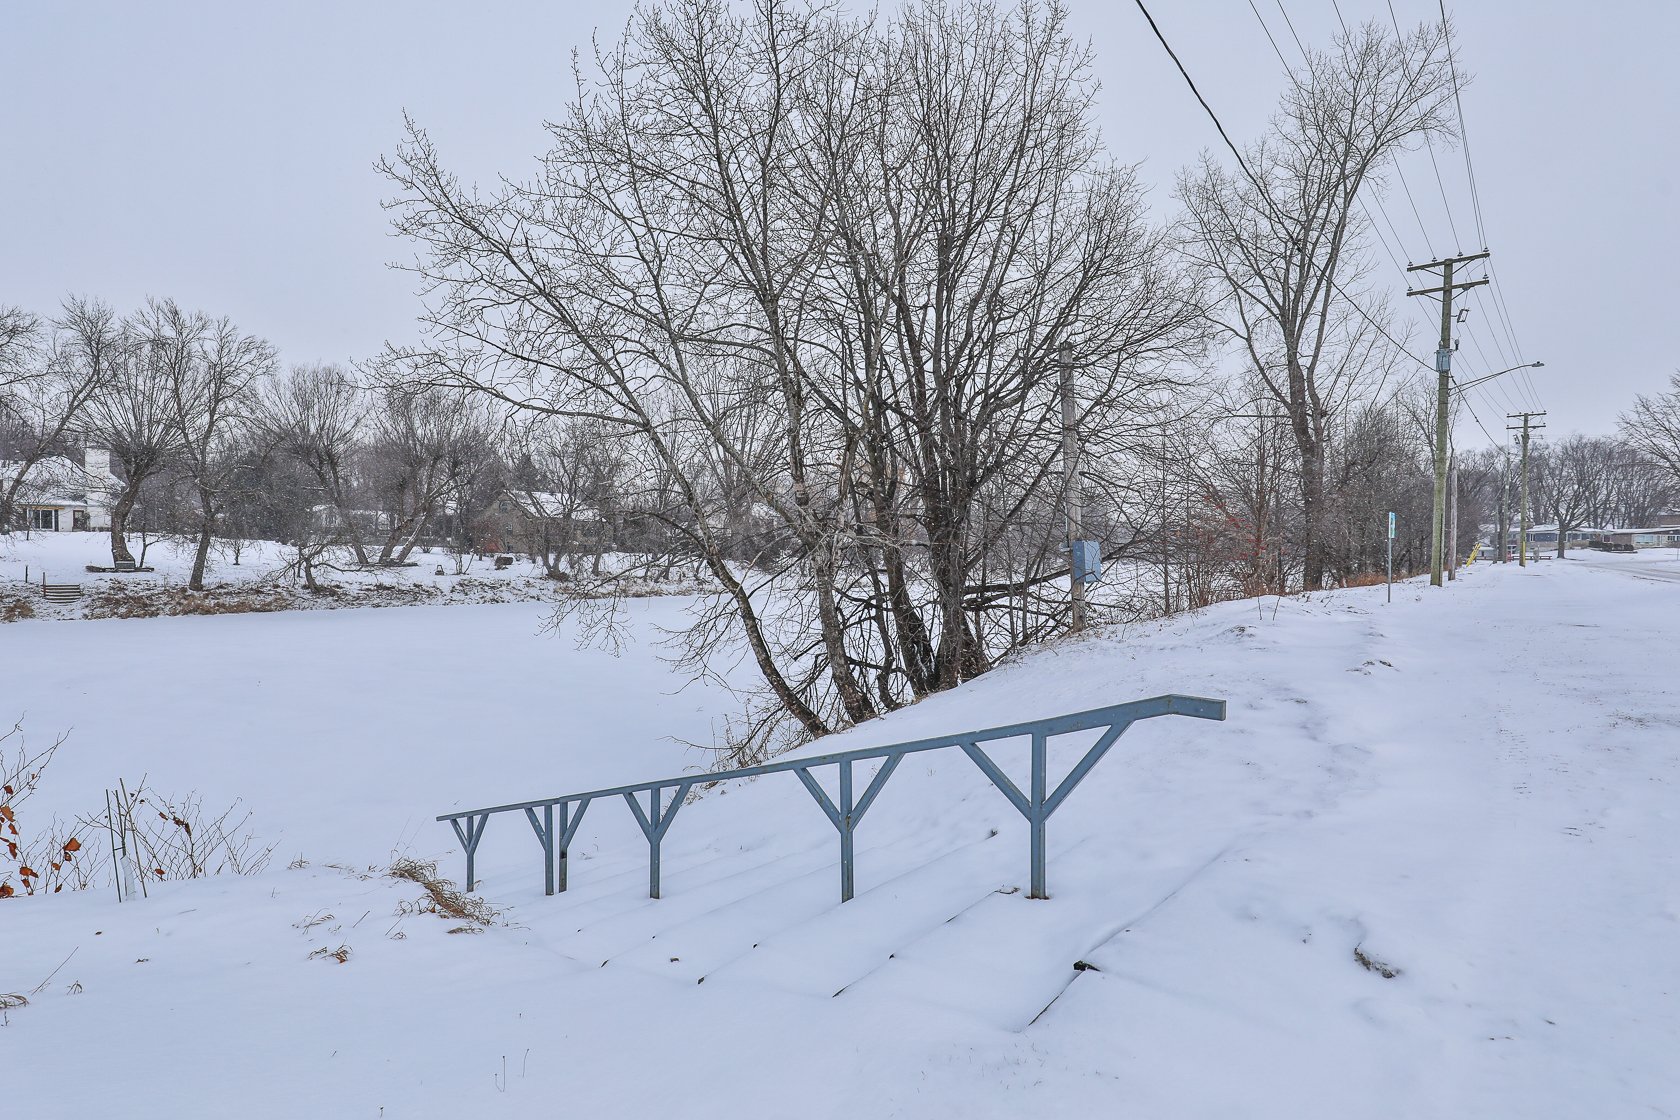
point(551, 505)
point(59, 481)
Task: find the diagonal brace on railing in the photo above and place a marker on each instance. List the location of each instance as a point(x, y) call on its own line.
point(847, 814)
point(1039, 803)
point(555, 845)
point(656, 823)
point(469, 837)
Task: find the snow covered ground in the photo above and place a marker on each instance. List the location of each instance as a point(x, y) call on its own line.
point(1474, 789)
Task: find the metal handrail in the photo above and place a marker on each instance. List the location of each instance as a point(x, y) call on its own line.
point(1036, 805)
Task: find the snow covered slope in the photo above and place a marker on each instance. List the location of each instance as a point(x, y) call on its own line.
point(1472, 791)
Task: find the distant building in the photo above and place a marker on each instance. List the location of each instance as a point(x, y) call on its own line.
point(1548, 534)
point(539, 522)
point(59, 495)
point(1664, 534)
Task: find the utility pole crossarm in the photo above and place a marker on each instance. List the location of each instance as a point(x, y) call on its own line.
point(1483, 255)
point(1462, 285)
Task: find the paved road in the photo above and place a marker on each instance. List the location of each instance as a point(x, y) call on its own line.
point(1655, 564)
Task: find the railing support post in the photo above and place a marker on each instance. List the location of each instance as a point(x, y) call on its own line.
point(469, 837)
point(569, 822)
point(655, 824)
point(654, 839)
point(548, 849)
point(565, 843)
point(1036, 819)
point(847, 826)
point(545, 836)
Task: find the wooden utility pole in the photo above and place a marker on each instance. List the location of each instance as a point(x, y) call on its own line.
point(1443, 391)
point(1525, 428)
point(1452, 515)
point(1501, 522)
point(1074, 496)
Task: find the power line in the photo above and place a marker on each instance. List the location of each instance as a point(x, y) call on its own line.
point(1392, 256)
point(1475, 191)
point(1383, 210)
point(1429, 146)
point(1265, 196)
point(1463, 133)
point(1192, 84)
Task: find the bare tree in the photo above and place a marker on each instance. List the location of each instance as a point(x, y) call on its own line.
point(47, 401)
point(20, 336)
point(1567, 477)
point(316, 415)
point(210, 398)
point(815, 272)
point(1281, 243)
point(421, 444)
point(1652, 427)
point(133, 413)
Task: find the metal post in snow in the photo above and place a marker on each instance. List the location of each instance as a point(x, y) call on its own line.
point(1391, 556)
point(848, 881)
point(1035, 819)
point(1073, 497)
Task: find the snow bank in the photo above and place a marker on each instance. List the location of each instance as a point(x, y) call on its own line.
point(1427, 867)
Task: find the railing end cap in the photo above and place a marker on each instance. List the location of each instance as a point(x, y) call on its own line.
point(1198, 707)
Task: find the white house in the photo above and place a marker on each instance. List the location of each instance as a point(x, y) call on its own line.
point(60, 496)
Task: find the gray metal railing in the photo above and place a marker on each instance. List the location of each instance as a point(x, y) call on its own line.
point(1036, 805)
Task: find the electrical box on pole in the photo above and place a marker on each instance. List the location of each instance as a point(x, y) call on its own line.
point(1087, 561)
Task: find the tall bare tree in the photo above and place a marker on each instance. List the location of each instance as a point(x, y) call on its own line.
point(421, 444)
point(48, 394)
point(316, 415)
point(1280, 240)
point(1652, 426)
point(133, 412)
point(828, 262)
point(210, 399)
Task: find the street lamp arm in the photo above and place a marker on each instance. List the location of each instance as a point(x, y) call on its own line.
point(1489, 377)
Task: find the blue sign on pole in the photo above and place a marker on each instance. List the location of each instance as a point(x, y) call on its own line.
point(1390, 524)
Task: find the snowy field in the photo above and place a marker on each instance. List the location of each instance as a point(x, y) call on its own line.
point(1476, 789)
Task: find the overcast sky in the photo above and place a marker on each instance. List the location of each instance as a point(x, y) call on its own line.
point(222, 154)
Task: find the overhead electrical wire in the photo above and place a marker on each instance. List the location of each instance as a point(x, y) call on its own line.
point(1392, 256)
point(1258, 185)
point(1476, 194)
point(1264, 194)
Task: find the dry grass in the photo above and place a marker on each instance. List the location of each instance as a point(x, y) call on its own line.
point(16, 609)
point(442, 896)
point(340, 954)
point(117, 601)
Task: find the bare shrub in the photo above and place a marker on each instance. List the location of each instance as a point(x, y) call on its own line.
point(141, 832)
point(34, 860)
point(175, 838)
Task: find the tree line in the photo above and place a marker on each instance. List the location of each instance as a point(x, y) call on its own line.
point(788, 298)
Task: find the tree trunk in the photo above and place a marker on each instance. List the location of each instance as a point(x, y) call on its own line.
point(1312, 514)
point(119, 525)
point(206, 529)
point(789, 699)
point(853, 697)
